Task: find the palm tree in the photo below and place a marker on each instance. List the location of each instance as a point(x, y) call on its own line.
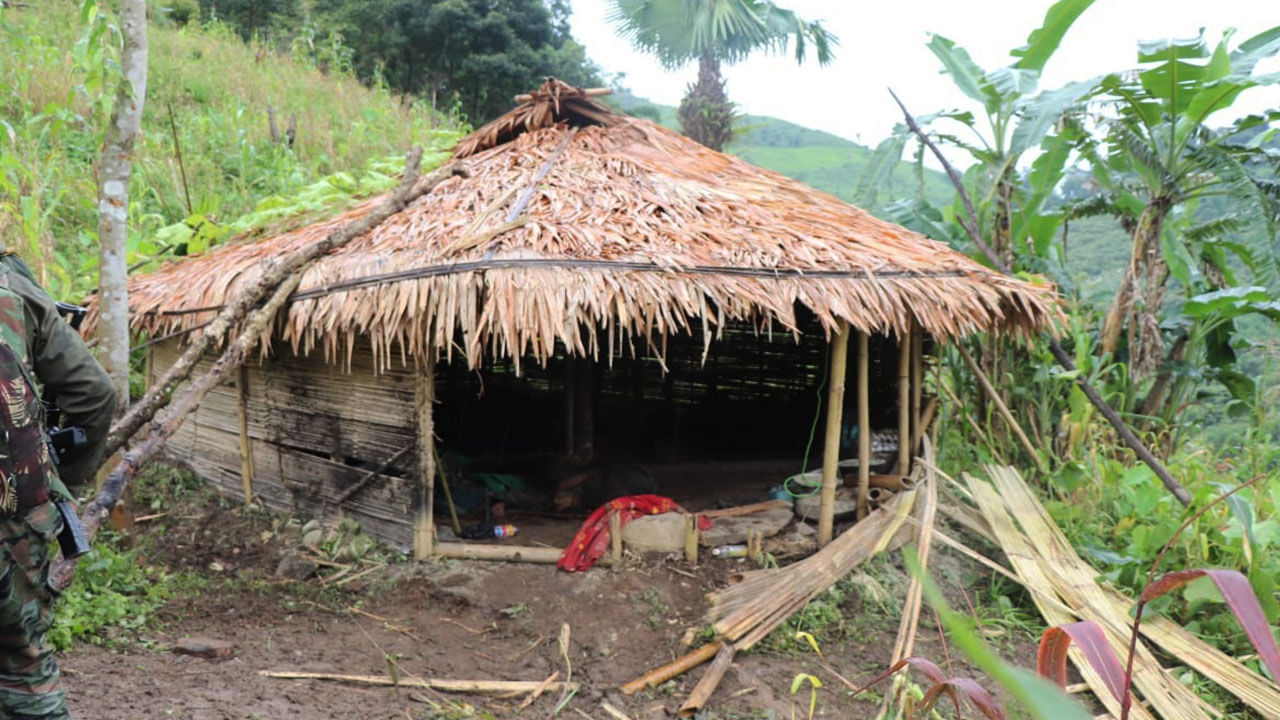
point(714, 32)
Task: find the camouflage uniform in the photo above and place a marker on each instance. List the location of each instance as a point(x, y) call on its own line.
point(37, 345)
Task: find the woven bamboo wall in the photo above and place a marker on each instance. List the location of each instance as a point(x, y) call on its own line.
point(314, 431)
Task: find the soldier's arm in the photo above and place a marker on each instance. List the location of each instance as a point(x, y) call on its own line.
point(63, 363)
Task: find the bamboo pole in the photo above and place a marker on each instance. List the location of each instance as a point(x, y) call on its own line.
point(709, 682)
point(1004, 409)
point(615, 539)
point(508, 553)
point(479, 687)
point(448, 494)
point(675, 668)
point(246, 451)
point(831, 448)
point(904, 401)
point(864, 426)
point(424, 398)
point(917, 385)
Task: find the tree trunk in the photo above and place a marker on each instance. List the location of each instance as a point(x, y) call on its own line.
point(706, 115)
point(1141, 294)
point(113, 197)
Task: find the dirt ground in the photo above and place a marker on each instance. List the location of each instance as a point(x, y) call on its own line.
point(471, 621)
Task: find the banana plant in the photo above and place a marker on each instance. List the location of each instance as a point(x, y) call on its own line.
point(1012, 119)
point(1163, 162)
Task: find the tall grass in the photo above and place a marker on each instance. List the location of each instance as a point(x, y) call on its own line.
point(56, 81)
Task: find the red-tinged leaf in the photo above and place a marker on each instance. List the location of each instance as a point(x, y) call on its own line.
point(1238, 593)
point(967, 687)
point(1051, 658)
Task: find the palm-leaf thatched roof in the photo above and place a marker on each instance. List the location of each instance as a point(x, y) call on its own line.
point(630, 231)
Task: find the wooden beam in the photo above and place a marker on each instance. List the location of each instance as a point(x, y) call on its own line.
point(864, 426)
point(904, 402)
point(831, 448)
point(570, 402)
point(246, 450)
point(424, 398)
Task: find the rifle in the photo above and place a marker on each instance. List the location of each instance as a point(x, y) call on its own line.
point(72, 538)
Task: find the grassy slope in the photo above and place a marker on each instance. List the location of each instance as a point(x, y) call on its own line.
point(218, 89)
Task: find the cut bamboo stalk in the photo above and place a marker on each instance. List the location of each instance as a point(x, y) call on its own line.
point(478, 687)
point(246, 451)
point(691, 539)
point(424, 399)
point(506, 553)
point(675, 668)
point(448, 494)
point(831, 448)
point(741, 510)
point(615, 539)
point(1002, 408)
point(864, 427)
point(905, 643)
point(904, 403)
point(710, 681)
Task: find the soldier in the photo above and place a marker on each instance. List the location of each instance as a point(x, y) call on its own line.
point(38, 347)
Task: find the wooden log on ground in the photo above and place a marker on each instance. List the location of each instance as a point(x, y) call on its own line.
point(507, 553)
point(478, 687)
point(709, 682)
point(273, 273)
point(831, 447)
point(675, 668)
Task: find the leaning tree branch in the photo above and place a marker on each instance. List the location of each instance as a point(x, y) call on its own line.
point(252, 293)
point(970, 224)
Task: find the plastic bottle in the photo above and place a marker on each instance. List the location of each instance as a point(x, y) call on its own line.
point(730, 551)
point(504, 531)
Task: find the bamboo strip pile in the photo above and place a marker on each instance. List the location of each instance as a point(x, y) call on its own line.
point(1064, 589)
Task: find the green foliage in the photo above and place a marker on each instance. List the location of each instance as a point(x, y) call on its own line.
point(115, 592)
point(479, 52)
point(53, 89)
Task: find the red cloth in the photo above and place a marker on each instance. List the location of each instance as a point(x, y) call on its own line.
point(589, 544)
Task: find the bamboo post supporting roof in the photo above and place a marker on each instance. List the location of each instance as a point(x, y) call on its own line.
point(624, 229)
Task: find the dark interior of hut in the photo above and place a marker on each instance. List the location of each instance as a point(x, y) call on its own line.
point(544, 447)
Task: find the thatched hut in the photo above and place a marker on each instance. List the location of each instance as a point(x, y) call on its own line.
point(598, 285)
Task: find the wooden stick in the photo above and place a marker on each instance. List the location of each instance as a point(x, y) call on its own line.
point(242, 408)
point(691, 539)
point(424, 397)
point(272, 275)
point(740, 510)
point(448, 494)
point(508, 553)
point(478, 687)
point(917, 386)
point(864, 426)
point(831, 450)
point(615, 539)
point(370, 475)
point(904, 401)
point(1004, 409)
point(709, 682)
point(675, 668)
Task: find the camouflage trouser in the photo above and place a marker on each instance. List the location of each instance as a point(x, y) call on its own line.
point(30, 688)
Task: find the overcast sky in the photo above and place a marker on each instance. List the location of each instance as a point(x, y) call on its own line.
point(882, 44)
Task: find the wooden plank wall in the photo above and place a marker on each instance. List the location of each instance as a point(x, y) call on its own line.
point(314, 430)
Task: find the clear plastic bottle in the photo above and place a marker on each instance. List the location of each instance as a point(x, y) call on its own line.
point(730, 551)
